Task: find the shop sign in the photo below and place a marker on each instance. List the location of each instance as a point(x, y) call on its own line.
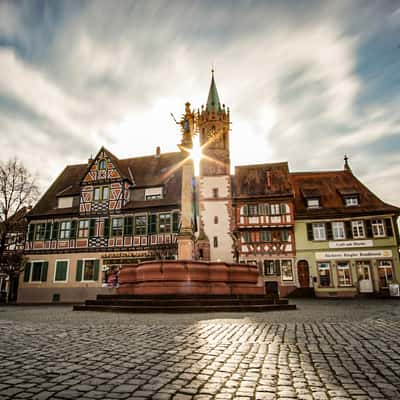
point(350, 243)
point(346, 255)
point(130, 254)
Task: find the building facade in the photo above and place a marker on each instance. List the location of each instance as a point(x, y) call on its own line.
point(321, 231)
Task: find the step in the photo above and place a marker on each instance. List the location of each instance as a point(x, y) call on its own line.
point(185, 309)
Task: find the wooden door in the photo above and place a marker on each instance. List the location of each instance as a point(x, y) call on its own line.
point(303, 274)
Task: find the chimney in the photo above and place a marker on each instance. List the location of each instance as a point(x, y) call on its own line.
point(158, 152)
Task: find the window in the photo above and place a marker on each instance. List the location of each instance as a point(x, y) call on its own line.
point(40, 231)
point(36, 271)
point(215, 241)
point(253, 210)
point(286, 270)
point(87, 270)
point(153, 193)
point(319, 231)
point(324, 274)
point(266, 236)
point(215, 193)
point(61, 271)
point(65, 230)
point(275, 209)
point(165, 223)
point(344, 274)
point(269, 267)
point(378, 228)
point(102, 164)
point(152, 224)
point(117, 225)
point(83, 230)
point(357, 228)
point(216, 220)
point(245, 237)
point(338, 230)
point(351, 201)
point(101, 193)
point(140, 225)
point(284, 235)
point(385, 272)
point(313, 203)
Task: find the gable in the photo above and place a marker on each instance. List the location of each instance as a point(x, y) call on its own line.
point(103, 167)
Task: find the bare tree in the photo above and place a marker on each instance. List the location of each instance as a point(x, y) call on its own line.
point(17, 190)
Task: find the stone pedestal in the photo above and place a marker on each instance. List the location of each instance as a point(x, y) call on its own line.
point(185, 247)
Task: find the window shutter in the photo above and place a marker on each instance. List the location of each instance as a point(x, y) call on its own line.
point(329, 234)
point(106, 228)
point(128, 225)
point(310, 233)
point(261, 209)
point(31, 232)
point(267, 209)
point(27, 271)
point(79, 267)
point(175, 222)
point(47, 231)
point(349, 233)
point(277, 267)
point(389, 229)
point(368, 228)
point(43, 276)
point(245, 210)
point(282, 207)
point(152, 223)
point(96, 270)
point(73, 230)
point(54, 232)
point(92, 226)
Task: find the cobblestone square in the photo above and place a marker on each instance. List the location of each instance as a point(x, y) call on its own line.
point(326, 349)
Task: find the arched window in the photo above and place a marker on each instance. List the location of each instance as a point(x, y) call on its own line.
point(102, 164)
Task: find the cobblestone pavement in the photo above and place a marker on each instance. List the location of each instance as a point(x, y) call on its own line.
point(329, 349)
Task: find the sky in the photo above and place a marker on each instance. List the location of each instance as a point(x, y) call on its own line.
point(306, 81)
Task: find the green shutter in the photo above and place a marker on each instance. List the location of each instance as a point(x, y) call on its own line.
point(368, 224)
point(282, 208)
point(175, 222)
point(61, 271)
point(329, 234)
point(261, 209)
point(96, 270)
point(27, 271)
point(152, 223)
point(245, 210)
point(277, 267)
point(47, 232)
point(73, 230)
point(79, 267)
point(310, 234)
point(128, 226)
point(92, 226)
point(107, 228)
point(54, 232)
point(389, 229)
point(43, 276)
point(267, 209)
point(31, 232)
point(347, 226)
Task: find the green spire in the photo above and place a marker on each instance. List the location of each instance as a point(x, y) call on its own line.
point(213, 103)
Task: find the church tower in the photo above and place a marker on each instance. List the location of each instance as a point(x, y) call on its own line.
point(213, 124)
point(215, 195)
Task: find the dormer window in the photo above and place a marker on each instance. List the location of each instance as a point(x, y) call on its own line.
point(351, 201)
point(313, 203)
point(154, 193)
point(102, 164)
point(101, 193)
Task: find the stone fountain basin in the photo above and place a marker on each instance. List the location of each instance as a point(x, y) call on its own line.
point(189, 278)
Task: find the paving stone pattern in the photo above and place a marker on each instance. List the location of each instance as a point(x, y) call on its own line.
point(324, 350)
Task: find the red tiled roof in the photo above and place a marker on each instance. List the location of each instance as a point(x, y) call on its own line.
point(262, 180)
point(333, 186)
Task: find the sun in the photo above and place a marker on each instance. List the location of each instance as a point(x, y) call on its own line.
point(196, 155)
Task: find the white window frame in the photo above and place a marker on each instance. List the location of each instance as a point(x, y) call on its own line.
point(145, 224)
point(338, 230)
point(275, 209)
point(324, 266)
point(378, 228)
point(31, 272)
point(356, 228)
point(384, 264)
point(319, 231)
point(84, 228)
point(291, 269)
point(83, 269)
point(351, 201)
point(313, 203)
point(65, 230)
point(119, 227)
point(55, 270)
point(345, 265)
